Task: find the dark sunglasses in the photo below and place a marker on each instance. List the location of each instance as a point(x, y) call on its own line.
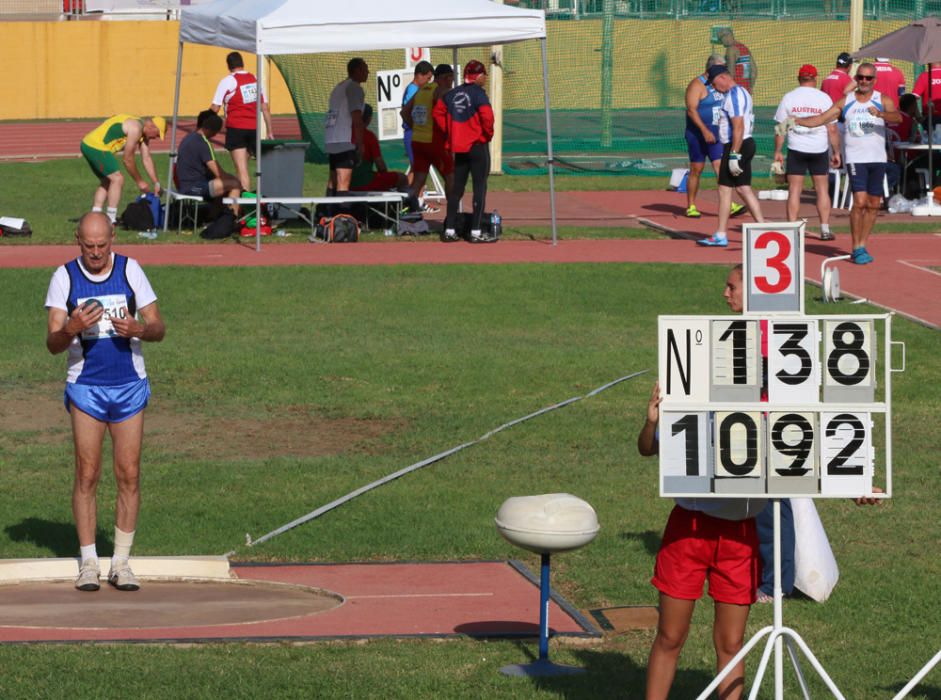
point(865, 77)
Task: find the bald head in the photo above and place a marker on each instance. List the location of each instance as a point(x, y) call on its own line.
point(94, 221)
point(95, 235)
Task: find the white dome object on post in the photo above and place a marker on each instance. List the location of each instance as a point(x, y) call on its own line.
point(547, 524)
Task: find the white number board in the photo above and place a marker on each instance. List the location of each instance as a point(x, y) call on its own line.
point(414, 56)
point(736, 360)
point(684, 359)
point(390, 88)
point(850, 362)
point(793, 362)
point(773, 268)
point(810, 433)
point(772, 402)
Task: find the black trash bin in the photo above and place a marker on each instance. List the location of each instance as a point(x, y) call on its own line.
point(282, 174)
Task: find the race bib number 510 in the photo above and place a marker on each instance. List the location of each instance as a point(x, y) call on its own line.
point(115, 306)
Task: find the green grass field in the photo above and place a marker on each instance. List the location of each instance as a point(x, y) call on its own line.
point(51, 195)
point(52, 218)
point(278, 390)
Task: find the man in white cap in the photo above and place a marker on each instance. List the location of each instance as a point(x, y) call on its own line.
point(808, 149)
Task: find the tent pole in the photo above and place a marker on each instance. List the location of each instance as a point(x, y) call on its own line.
point(550, 157)
point(930, 183)
point(176, 109)
point(258, 123)
point(457, 83)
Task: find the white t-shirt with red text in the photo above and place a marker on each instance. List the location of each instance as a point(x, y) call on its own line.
point(805, 102)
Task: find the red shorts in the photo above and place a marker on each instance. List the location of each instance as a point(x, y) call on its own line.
point(431, 154)
point(696, 545)
point(381, 182)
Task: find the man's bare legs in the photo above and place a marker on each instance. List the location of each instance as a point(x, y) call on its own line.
point(240, 161)
point(126, 436)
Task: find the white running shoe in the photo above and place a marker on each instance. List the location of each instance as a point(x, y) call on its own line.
point(88, 576)
point(122, 578)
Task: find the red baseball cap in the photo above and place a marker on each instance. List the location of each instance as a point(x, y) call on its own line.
point(474, 68)
point(807, 71)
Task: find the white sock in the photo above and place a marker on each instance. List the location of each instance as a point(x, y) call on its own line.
point(122, 546)
point(449, 231)
point(113, 214)
point(720, 235)
point(98, 209)
point(824, 228)
point(88, 551)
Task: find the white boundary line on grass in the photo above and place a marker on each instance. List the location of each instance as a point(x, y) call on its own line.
point(424, 463)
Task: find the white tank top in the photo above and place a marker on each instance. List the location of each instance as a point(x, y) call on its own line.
point(864, 135)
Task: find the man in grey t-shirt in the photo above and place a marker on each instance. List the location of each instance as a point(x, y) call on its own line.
point(343, 127)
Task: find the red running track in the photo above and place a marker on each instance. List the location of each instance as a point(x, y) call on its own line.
point(477, 599)
point(61, 139)
point(904, 277)
point(901, 279)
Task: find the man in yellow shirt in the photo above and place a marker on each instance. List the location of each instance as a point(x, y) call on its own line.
point(129, 135)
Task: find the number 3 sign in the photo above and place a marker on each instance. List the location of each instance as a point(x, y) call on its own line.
point(773, 268)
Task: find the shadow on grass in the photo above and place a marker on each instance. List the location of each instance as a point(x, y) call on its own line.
point(610, 674)
point(58, 538)
point(649, 538)
point(920, 691)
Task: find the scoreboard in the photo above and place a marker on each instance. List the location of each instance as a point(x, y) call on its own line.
point(773, 402)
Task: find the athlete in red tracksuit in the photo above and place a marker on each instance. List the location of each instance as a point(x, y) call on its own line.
point(465, 116)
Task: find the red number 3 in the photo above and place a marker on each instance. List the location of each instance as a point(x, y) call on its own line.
point(777, 262)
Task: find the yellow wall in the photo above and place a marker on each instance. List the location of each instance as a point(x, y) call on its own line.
point(654, 60)
point(59, 70)
point(96, 69)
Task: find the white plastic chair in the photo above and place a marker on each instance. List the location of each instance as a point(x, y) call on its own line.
point(847, 197)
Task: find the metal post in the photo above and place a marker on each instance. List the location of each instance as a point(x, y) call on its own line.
point(607, 63)
point(550, 156)
point(458, 80)
point(176, 109)
point(258, 122)
point(778, 603)
point(544, 609)
point(496, 101)
point(856, 24)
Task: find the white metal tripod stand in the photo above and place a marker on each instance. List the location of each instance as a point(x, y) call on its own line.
point(778, 636)
point(918, 676)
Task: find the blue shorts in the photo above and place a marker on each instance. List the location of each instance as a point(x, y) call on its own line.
point(699, 150)
point(407, 141)
point(867, 177)
point(108, 404)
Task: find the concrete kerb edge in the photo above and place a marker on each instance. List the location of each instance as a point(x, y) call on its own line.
point(207, 567)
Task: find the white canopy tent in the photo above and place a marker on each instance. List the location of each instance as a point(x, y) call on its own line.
point(273, 27)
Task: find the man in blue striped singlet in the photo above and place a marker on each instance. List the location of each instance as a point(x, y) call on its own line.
point(101, 306)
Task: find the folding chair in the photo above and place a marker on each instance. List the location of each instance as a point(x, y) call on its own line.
point(188, 205)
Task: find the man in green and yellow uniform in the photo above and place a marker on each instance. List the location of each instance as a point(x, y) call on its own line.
point(127, 134)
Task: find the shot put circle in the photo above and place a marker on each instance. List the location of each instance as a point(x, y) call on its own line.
point(159, 604)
